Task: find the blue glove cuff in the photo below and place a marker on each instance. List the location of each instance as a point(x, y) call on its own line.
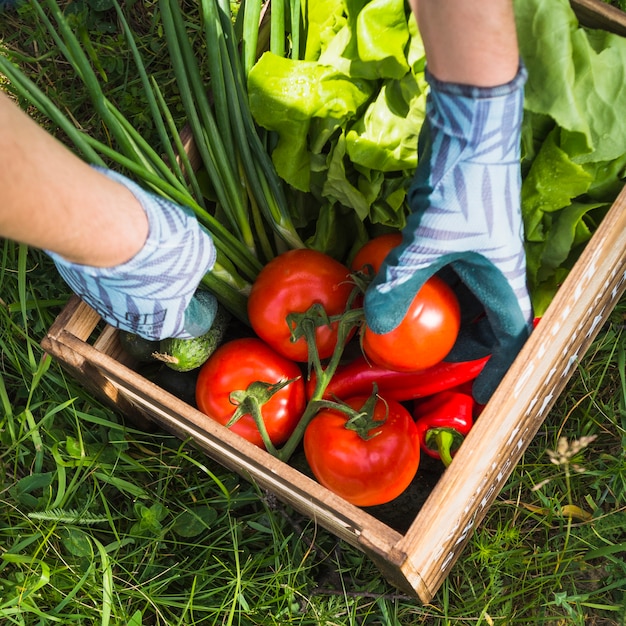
point(462, 90)
point(149, 294)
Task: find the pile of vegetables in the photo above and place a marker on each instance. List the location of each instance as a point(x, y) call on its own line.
point(313, 374)
point(313, 139)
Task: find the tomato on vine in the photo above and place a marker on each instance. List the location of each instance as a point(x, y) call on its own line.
point(248, 367)
point(426, 334)
point(369, 459)
point(290, 283)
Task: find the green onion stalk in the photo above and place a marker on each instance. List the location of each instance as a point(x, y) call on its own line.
point(264, 186)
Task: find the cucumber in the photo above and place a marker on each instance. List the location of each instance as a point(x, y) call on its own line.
point(137, 347)
point(183, 355)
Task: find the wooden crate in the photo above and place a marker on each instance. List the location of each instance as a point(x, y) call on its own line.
point(419, 559)
point(599, 14)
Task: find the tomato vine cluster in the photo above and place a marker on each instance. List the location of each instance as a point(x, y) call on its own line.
point(293, 384)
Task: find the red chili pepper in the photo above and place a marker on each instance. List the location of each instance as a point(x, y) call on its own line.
point(443, 420)
point(359, 376)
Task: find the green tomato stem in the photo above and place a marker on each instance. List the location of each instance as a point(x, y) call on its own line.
point(345, 325)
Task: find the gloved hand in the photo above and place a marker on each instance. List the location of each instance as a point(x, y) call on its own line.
point(465, 222)
point(154, 293)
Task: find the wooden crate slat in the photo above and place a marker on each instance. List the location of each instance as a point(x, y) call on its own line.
point(599, 14)
point(518, 408)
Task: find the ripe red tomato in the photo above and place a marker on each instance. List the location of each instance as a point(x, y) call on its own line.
point(292, 282)
point(426, 334)
point(233, 367)
point(373, 253)
point(365, 472)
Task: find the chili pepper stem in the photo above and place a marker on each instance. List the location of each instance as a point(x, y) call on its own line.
point(444, 441)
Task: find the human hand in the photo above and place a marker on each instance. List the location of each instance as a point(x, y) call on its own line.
point(465, 225)
point(154, 294)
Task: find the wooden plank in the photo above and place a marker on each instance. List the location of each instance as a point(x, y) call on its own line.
point(290, 485)
point(77, 318)
point(599, 14)
point(517, 409)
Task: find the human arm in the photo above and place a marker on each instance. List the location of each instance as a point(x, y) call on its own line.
point(136, 258)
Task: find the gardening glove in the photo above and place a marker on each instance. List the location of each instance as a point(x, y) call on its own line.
point(465, 222)
point(154, 293)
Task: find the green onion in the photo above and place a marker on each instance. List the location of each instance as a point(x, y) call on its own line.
point(264, 182)
point(277, 27)
point(250, 36)
point(295, 15)
point(203, 127)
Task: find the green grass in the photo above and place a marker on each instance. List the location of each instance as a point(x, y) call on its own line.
point(618, 4)
point(104, 523)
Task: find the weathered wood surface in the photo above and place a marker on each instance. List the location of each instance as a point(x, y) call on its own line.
point(599, 14)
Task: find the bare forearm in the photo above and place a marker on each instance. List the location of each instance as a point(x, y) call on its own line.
point(469, 41)
point(51, 199)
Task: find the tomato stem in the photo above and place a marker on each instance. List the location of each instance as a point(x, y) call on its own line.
point(363, 422)
point(346, 322)
point(250, 401)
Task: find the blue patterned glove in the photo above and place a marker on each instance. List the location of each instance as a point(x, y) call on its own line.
point(154, 293)
point(466, 225)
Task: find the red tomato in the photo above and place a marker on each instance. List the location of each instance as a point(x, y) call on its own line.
point(292, 282)
point(365, 472)
point(373, 253)
point(425, 335)
point(233, 367)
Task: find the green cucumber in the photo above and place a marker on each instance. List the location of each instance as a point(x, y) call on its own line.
point(183, 355)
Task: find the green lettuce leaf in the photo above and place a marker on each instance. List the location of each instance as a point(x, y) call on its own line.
point(576, 76)
point(573, 140)
point(289, 96)
point(551, 183)
point(378, 48)
point(385, 137)
point(323, 19)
